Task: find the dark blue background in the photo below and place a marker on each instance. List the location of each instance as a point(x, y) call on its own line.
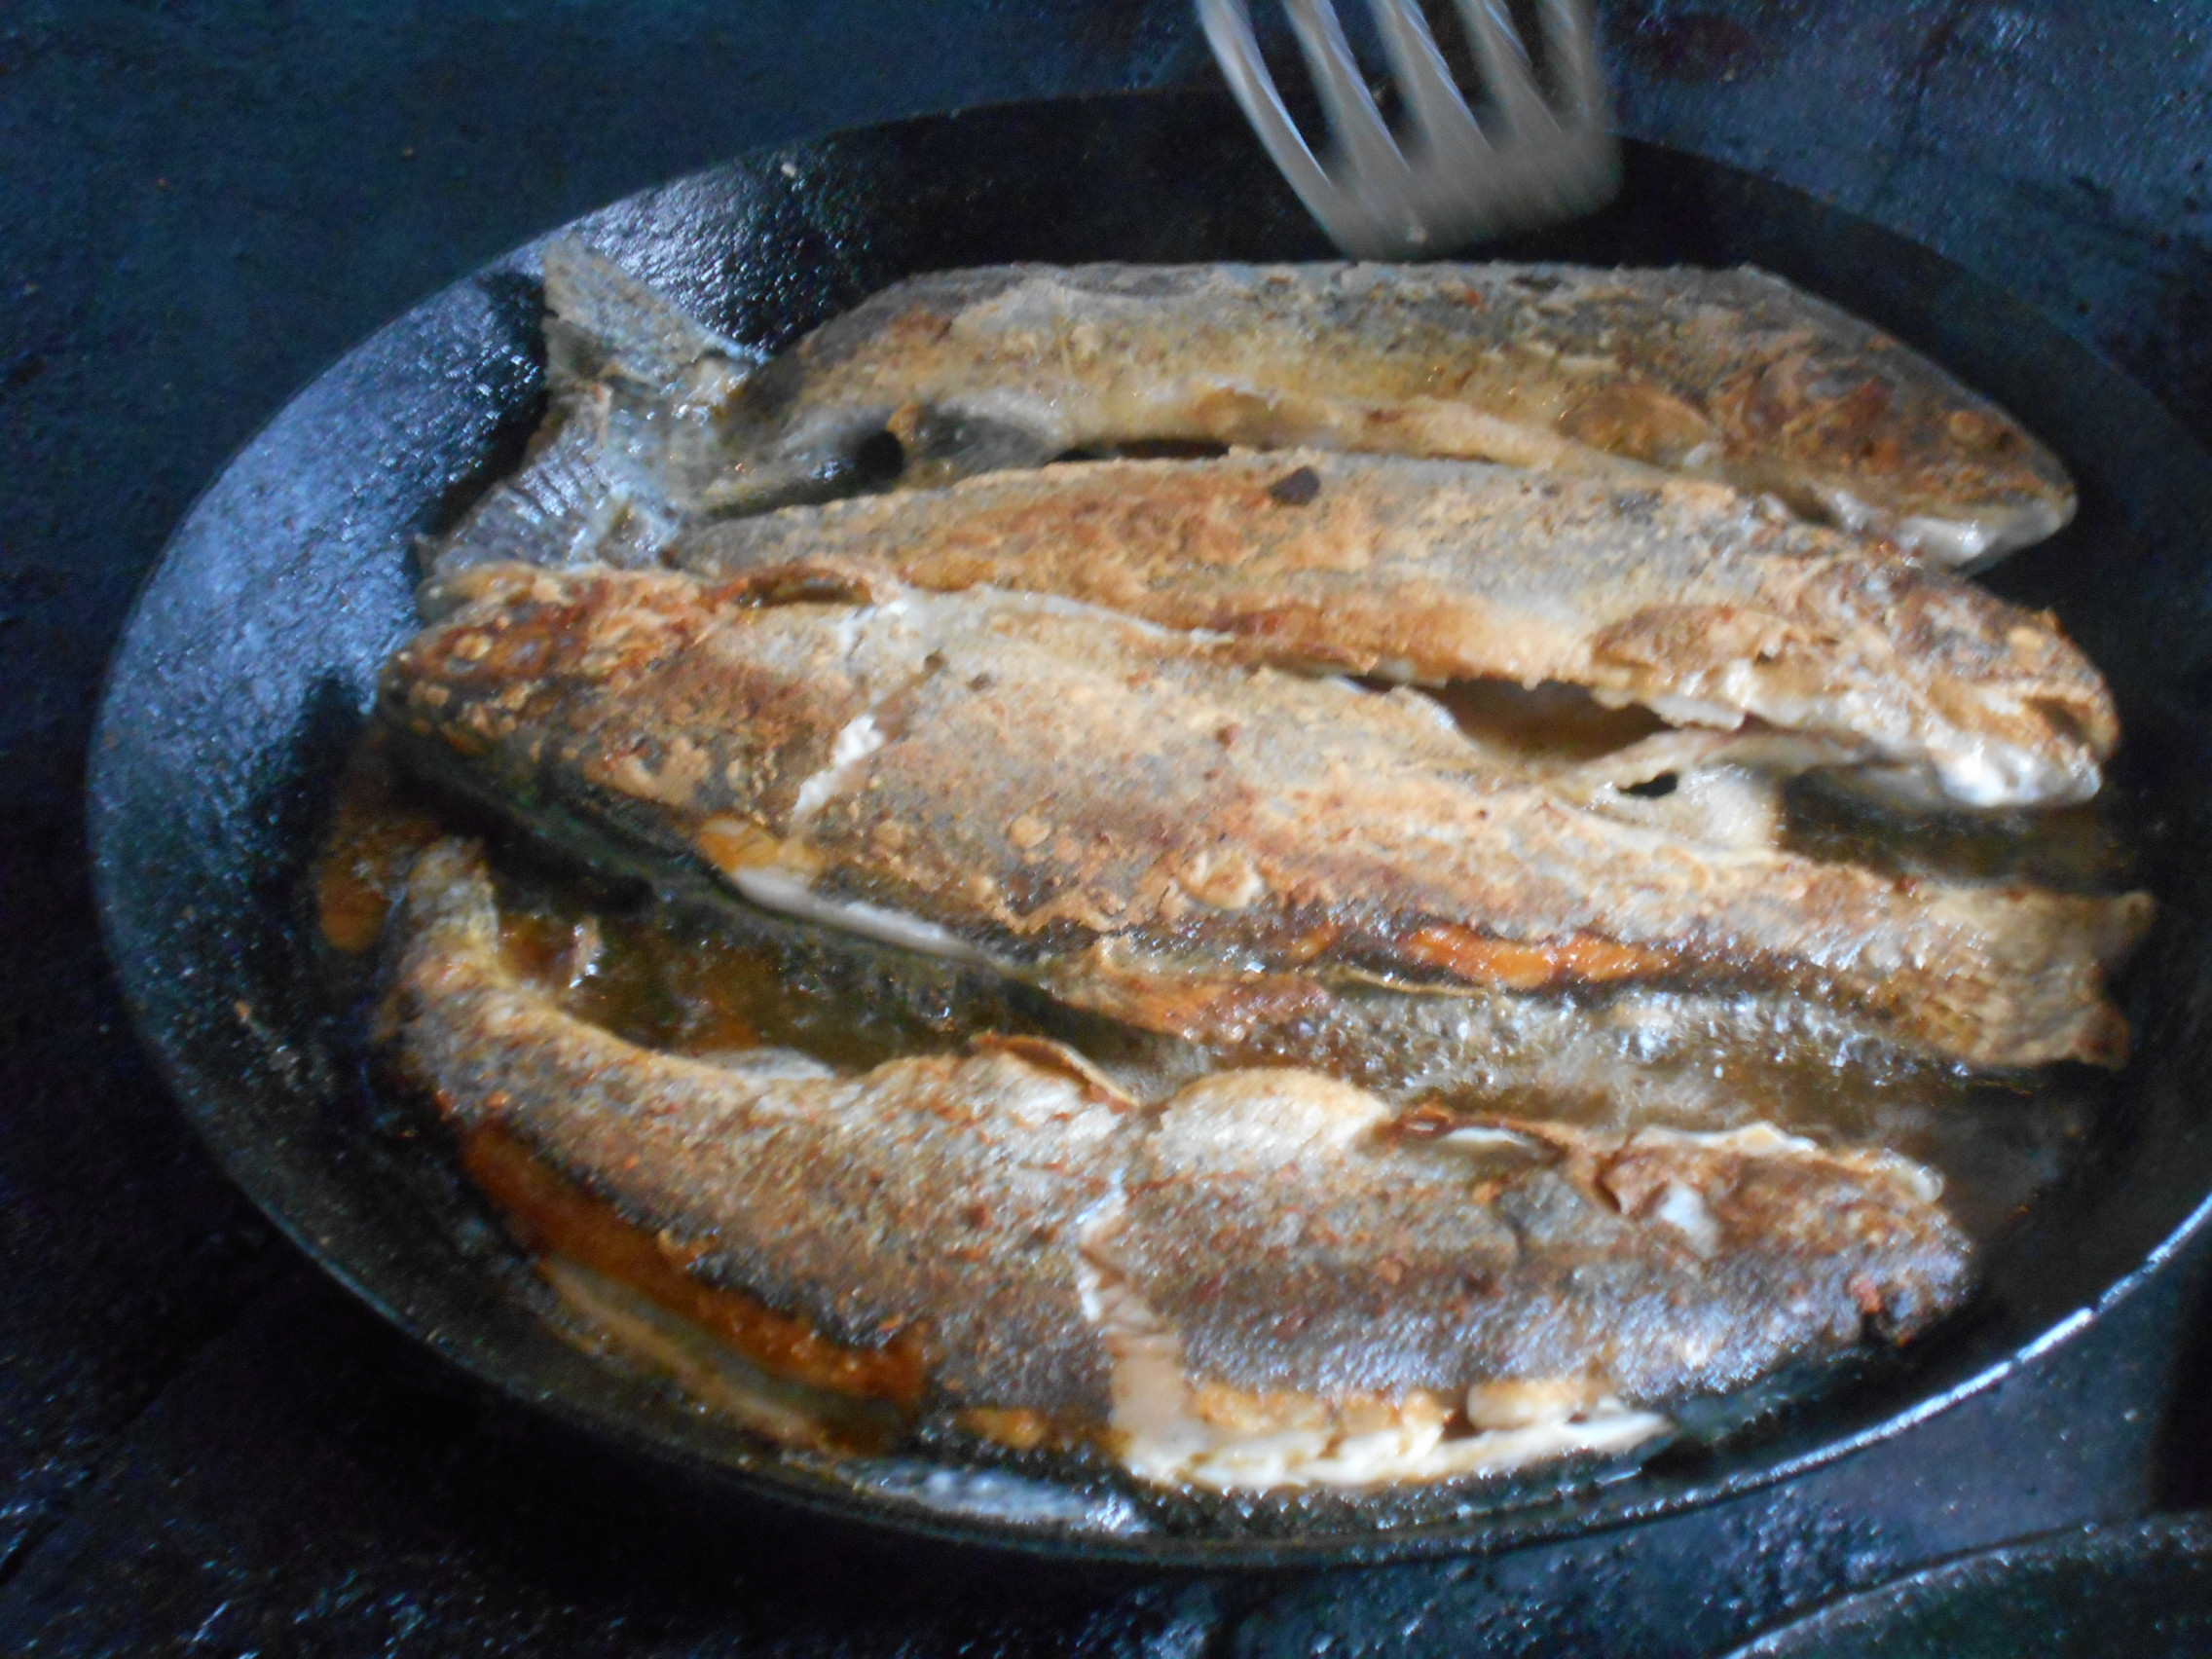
point(204, 1447)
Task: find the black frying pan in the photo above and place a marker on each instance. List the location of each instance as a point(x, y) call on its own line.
point(251, 656)
point(2142, 1590)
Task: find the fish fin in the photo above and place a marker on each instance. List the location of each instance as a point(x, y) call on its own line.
point(601, 321)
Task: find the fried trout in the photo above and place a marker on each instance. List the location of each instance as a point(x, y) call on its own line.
point(1266, 1282)
point(1683, 597)
point(1147, 826)
point(1634, 375)
point(1731, 375)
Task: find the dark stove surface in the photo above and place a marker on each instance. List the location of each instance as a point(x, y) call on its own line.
point(206, 1448)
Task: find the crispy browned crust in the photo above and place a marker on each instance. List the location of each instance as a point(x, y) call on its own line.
point(1679, 595)
point(548, 1213)
point(969, 1210)
point(810, 1193)
point(1066, 788)
point(1732, 374)
point(1546, 1252)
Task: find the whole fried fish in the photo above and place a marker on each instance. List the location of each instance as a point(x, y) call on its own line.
point(1731, 375)
point(1264, 1283)
point(1148, 827)
point(1633, 374)
point(1682, 597)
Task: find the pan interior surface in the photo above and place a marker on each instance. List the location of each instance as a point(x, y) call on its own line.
point(251, 658)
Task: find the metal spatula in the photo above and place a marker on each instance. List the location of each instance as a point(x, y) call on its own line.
point(1449, 182)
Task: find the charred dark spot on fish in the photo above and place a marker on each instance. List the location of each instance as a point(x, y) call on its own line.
point(1295, 488)
point(1146, 449)
point(1655, 789)
point(879, 462)
point(806, 581)
point(2063, 718)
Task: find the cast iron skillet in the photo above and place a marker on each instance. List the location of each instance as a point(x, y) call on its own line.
point(251, 659)
point(2141, 1591)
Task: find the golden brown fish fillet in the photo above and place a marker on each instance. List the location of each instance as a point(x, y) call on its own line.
point(1682, 597)
point(1265, 1283)
point(1150, 829)
point(1731, 375)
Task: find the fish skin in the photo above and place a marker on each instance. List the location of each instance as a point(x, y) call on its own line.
point(1681, 596)
point(811, 1191)
point(1641, 1058)
point(1632, 373)
point(1290, 1240)
point(1285, 1262)
point(1150, 828)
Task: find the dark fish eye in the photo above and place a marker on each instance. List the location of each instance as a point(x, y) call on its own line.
point(878, 460)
